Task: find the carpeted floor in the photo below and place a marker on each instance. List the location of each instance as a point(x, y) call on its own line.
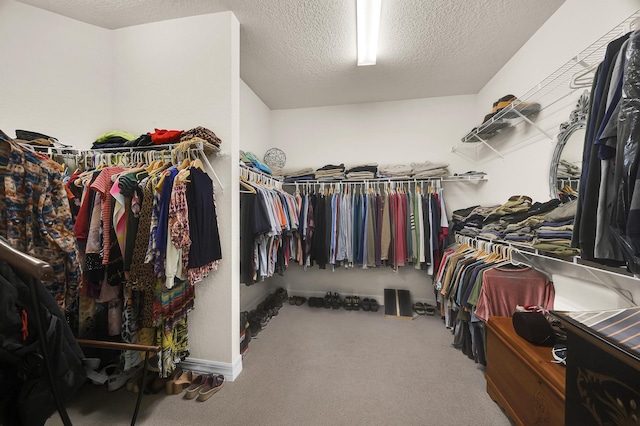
point(317, 367)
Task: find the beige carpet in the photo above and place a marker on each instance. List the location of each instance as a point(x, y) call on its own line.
point(318, 367)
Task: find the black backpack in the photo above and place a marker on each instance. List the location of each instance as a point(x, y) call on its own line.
point(25, 393)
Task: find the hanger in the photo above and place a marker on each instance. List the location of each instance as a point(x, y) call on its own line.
point(584, 77)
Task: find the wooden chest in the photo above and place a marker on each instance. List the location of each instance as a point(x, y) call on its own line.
point(603, 367)
point(521, 377)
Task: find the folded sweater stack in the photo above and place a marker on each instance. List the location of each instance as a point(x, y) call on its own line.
point(330, 172)
point(429, 170)
point(364, 171)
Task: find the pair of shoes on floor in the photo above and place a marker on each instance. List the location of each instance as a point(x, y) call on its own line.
point(316, 302)
point(180, 380)
point(424, 309)
point(204, 386)
point(116, 378)
point(332, 300)
point(370, 305)
point(297, 300)
point(352, 303)
point(281, 294)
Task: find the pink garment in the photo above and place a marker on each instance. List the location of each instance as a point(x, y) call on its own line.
point(119, 216)
point(401, 229)
point(102, 184)
point(503, 289)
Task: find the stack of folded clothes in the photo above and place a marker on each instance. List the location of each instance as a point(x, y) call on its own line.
point(330, 172)
point(298, 175)
point(365, 171)
point(546, 226)
point(165, 137)
point(395, 171)
point(555, 233)
point(277, 172)
point(202, 133)
point(251, 161)
point(568, 170)
point(113, 139)
point(429, 170)
point(469, 221)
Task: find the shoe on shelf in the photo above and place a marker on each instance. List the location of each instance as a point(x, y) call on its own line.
point(196, 385)
point(419, 308)
point(300, 300)
point(374, 305)
point(366, 304)
point(212, 385)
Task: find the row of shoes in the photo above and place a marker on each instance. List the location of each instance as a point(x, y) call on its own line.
point(196, 386)
point(349, 303)
point(267, 309)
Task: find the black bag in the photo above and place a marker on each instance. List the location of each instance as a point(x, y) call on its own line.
point(534, 327)
point(25, 392)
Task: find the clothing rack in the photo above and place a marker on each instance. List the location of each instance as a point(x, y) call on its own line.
point(257, 176)
point(366, 184)
point(394, 179)
point(126, 154)
point(574, 267)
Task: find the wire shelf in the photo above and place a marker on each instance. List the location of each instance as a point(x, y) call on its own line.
point(552, 89)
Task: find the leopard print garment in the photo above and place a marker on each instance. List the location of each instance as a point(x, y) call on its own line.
point(141, 278)
point(202, 133)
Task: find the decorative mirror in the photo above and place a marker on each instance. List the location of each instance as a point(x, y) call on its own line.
point(566, 165)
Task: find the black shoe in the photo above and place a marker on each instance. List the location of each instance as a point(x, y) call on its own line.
point(366, 305)
point(374, 305)
point(347, 303)
point(327, 302)
point(335, 301)
point(355, 303)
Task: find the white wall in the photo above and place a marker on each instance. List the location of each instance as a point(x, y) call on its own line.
point(574, 27)
point(385, 133)
point(255, 122)
point(426, 129)
point(56, 75)
point(179, 74)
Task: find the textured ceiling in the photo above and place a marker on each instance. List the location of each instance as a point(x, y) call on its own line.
point(302, 53)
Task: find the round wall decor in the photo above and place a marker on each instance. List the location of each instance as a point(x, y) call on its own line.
point(275, 157)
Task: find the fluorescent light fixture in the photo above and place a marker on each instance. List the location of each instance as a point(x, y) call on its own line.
point(368, 25)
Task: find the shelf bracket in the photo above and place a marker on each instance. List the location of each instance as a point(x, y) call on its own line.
point(538, 128)
point(490, 147)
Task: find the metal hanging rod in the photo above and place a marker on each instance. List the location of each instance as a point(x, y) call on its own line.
point(260, 173)
point(391, 180)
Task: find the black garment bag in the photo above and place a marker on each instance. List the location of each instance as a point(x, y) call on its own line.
point(40, 360)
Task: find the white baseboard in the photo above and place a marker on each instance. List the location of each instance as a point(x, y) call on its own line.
point(229, 370)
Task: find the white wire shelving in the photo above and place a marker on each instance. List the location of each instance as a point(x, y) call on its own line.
point(554, 88)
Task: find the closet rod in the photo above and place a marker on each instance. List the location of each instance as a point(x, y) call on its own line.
point(260, 173)
point(196, 145)
point(375, 180)
point(527, 255)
